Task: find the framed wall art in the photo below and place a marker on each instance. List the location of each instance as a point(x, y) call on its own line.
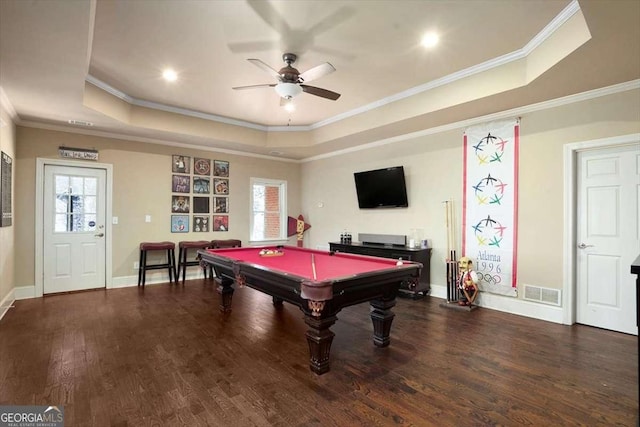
point(201, 184)
point(6, 165)
point(180, 164)
point(180, 183)
point(201, 166)
point(180, 204)
point(221, 223)
point(220, 205)
point(201, 224)
point(179, 223)
point(200, 205)
point(221, 186)
point(221, 168)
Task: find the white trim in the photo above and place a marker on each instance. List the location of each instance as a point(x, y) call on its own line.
point(39, 216)
point(570, 153)
point(25, 292)
point(509, 305)
point(516, 55)
point(7, 303)
point(6, 104)
point(514, 112)
point(558, 102)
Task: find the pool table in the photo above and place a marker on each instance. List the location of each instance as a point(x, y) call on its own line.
point(320, 283)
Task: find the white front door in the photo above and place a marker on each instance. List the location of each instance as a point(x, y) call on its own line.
point(74, 228)
point(607, 237)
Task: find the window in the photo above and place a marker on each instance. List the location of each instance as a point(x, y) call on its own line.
point(268, 210)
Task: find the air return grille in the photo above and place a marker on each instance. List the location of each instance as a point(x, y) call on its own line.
point(542, 295)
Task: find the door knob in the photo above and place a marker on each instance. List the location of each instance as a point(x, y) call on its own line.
point(99, 235)
point(583, 246)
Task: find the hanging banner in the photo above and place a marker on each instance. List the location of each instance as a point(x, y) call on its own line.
point(490, 204)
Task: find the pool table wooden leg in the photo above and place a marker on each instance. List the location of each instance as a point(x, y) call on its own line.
point(225, 289)
point(382, 316)
point(319, 338)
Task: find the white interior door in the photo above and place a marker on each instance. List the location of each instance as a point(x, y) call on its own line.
point(607, 237)
point(74, 247)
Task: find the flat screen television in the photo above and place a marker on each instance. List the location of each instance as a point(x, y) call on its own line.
point(381, 188)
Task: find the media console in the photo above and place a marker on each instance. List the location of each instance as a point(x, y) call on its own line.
point(393, 251)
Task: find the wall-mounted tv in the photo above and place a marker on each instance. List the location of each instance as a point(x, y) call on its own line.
point(381, 188)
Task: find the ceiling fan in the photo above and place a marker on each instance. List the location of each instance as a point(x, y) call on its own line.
point(291, 82)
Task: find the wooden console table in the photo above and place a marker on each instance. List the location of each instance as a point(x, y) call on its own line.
point(390, 251)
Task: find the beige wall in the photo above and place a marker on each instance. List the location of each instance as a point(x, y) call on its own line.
point(141, 186)
point(433, 168)
point(7, 234)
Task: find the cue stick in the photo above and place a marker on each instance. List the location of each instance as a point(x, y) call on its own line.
point(313, 267)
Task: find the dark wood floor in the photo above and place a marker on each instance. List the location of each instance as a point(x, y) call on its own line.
point(166, 356)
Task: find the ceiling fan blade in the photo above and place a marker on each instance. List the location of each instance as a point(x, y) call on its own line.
point(254, 86)
point(323, 93)
point(317, 72)
point(258, 63)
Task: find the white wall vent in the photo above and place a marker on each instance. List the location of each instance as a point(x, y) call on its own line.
point(542, 295)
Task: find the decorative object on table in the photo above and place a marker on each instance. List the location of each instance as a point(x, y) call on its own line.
point(270, 252)
point(220, 223)
point(180, 204)
point(297, 226)
point(200, 205)
point(201, 223)
point(201, 184)
point(220, 205)
point(6, 166)
point(221, 168)
point(180, 183)
point(489, 214)
point(179, 223)
point(180, 164)
point(467, 282)
point(201, 166)
point(220, 186)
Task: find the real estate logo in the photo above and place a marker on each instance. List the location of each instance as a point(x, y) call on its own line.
point(31, 416)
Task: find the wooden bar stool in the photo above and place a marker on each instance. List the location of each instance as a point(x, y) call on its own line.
point(228, 243)
point(220, 244)
point(170, 264)
point(182, 256)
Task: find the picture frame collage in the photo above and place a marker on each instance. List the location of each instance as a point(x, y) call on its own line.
point(199, 194)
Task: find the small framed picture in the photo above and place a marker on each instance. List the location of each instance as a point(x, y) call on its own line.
point(180, 164)
point(180, 204)
point(200, 205)
point(179, 223)
point(180, 183)
point(220, 205)
point(201, 184)
point(221, 223)
point(221, 168)
point(201, 166)
point(221, 186)
point(201, 224)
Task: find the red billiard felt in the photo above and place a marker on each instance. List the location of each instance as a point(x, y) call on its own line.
point(297, 261)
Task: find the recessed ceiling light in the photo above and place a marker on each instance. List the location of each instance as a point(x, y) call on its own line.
point(169, 75)
point(430, 39)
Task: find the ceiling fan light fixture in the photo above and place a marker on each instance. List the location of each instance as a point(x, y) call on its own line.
point(288, 90)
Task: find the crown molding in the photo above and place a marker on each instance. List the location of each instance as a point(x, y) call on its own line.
point(7, 106)
point(515, 112)
point(159, 141)
point(571, 9)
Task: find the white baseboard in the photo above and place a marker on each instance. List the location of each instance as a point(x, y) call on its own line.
point(7, 303)
point(152, 278)
point(509, 305)
point(25, 292)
